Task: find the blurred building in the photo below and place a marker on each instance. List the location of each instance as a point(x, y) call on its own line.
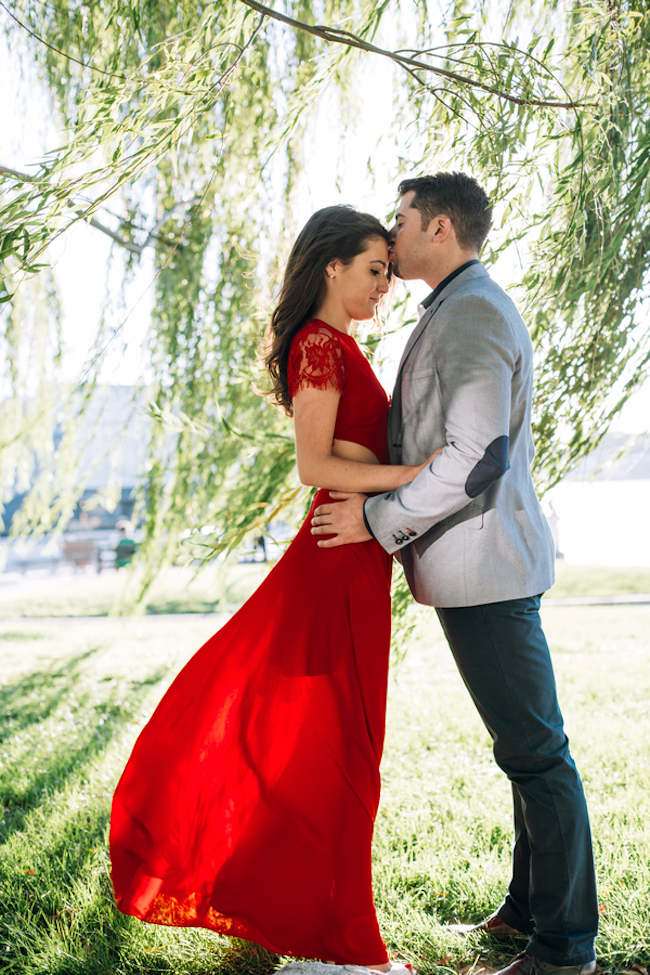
point(112, 450)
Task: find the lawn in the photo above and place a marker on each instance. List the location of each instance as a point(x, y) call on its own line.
point(599, 580)
point(75, 695)
point(222, 587)
point(176, 590)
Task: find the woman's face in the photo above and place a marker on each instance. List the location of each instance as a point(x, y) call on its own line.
point(360, 285)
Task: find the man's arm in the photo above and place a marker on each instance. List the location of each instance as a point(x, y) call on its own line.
point(475, 359)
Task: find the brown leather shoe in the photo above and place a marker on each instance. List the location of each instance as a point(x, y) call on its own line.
point(492, 925)
point(525, 964)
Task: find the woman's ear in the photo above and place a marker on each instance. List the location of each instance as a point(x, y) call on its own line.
point(332, 268)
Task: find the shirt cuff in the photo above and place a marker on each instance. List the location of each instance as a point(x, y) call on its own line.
point(365, 520)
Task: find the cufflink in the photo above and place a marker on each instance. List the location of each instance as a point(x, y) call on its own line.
point(404, 536)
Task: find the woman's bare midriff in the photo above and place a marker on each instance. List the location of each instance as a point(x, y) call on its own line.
point(353, 451)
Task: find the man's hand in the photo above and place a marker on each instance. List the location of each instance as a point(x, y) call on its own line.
point(343, 519)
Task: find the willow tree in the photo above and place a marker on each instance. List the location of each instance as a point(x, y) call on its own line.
point(187, 122)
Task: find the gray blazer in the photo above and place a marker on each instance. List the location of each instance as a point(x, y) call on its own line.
point(470, 527)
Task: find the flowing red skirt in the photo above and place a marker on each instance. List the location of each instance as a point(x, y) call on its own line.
point(248, 803)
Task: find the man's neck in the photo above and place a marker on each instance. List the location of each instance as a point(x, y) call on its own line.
point(438, 274)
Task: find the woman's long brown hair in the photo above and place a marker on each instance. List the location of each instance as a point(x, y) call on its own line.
point(338, 232)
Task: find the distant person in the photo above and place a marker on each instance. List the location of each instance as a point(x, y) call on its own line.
point(260, 547)
point(475, 544)
point(249, 801)
point(126, 546)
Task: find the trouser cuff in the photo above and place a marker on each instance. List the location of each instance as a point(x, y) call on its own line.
point(538, 949)
point(514, 919)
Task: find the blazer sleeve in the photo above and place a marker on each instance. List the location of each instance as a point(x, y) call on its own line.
point(474, 356)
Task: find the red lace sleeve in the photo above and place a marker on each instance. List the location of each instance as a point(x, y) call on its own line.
point(316, 360)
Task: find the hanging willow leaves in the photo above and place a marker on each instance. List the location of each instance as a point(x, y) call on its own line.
point(575, 191)
point(185, 125)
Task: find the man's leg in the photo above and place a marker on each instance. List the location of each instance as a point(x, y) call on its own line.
point(503, 657)
point(516, 904)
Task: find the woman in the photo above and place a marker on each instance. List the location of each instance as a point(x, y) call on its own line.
point(248, 803)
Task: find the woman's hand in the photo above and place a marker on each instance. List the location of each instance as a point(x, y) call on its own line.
point(420, 467)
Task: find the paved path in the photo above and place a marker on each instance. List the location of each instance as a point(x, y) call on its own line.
point(217, 617)
point(631, 599)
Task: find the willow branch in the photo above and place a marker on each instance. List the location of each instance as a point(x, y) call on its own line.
point(127, 244)
point(69, 57)
point(337, 36)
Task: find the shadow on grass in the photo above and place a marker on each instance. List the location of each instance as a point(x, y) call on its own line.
point(36, 696)
point(60, 918)
point(88, 725)
point(56, 906)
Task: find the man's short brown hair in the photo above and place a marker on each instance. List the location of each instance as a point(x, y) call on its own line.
point(458, 197)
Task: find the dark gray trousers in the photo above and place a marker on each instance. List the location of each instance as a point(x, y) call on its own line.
point(503, 658)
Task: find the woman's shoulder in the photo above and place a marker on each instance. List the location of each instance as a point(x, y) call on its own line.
point(316, 357)
point(316, 332)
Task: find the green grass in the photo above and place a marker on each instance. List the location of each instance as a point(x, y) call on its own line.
point(75, 695)
point(224, 587)
point(444, 836)
point(599, 580)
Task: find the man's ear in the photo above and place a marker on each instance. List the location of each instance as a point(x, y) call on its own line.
point(440, 228)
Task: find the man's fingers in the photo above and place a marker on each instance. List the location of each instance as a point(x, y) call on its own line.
point(321, 522)
point(322, 510)
point(330, 542)
point(321, 529)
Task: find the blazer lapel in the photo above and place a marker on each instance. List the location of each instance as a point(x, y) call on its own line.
point(395, 415)
point(417, 332)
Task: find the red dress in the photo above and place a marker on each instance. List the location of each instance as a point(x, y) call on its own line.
point(248, 803)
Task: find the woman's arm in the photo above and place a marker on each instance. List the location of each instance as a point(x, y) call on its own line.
point(314, 412)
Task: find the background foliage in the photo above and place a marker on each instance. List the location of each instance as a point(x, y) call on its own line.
point(185, 132)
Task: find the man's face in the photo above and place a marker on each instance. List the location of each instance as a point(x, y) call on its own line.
point(409, 245)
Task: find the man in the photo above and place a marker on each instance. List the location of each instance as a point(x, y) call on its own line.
point(475, 544)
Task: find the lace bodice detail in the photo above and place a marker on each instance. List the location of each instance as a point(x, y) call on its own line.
point(324, 358)
point(316, 359)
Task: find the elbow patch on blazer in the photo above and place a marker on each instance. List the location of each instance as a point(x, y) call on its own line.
point(492, 465)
